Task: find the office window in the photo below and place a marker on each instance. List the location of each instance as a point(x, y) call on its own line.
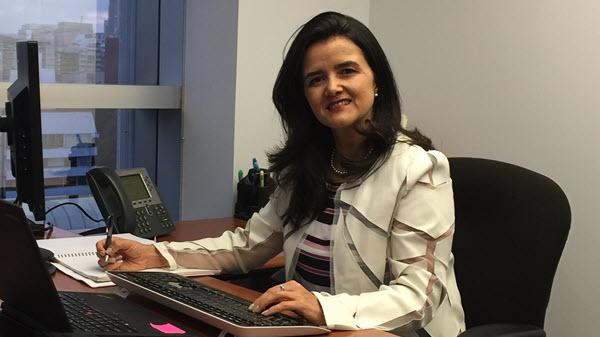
point(79, 41)
point(92, 43)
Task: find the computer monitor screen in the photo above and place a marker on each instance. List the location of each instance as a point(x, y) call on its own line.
point(23, 126)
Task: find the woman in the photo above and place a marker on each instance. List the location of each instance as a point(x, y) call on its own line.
point(363, 210)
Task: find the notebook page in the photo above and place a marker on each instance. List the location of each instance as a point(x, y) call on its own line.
point(79, 255)
point(81, 244)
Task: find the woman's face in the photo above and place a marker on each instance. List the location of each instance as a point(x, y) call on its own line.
point(339, 85)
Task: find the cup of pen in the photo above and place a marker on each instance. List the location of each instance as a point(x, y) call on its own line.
point(253, 191)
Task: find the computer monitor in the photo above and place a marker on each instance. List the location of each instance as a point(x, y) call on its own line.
point(23, 126)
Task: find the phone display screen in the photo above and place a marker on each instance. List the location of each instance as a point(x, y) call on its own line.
point(135, 187)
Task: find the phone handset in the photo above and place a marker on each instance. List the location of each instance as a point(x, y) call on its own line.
point(112, 199)
point(130, 198)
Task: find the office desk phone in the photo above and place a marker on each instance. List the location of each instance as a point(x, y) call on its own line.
point(130, 200)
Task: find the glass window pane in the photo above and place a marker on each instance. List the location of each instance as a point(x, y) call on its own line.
point(86, 42)
point(79, 41)
point(72, 144)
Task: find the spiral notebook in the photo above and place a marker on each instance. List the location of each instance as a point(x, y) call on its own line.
point(79, 255)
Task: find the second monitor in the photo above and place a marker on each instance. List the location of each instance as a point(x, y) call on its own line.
point(23, 127)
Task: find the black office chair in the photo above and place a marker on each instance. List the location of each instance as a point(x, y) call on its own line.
point(511, 227)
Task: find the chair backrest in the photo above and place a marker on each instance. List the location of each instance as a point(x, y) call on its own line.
point(511, 227)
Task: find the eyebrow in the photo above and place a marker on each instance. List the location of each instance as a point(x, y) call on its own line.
point(337, 67)
point(347, 64)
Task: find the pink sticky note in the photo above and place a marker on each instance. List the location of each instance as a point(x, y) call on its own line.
point(167, 328)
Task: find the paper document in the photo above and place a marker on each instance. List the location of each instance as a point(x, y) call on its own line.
point(90, 283)
point(79, 255)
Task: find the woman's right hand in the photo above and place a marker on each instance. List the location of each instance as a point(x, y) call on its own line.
point(124, 254)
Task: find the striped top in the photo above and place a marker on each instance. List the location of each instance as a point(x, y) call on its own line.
point(313, 267)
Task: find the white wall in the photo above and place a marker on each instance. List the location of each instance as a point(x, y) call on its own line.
point(264, 27)
point(208, 108)
point(518, 81)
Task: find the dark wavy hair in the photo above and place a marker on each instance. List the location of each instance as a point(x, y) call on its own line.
point(300, 166)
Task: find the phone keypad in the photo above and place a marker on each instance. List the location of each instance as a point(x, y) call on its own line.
point(153, 217)
point(141, 220)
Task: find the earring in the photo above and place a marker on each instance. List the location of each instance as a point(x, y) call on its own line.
point(376, 93)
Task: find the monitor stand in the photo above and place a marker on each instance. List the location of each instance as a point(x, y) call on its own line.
point(38, 229)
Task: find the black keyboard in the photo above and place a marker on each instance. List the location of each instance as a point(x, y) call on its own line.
point(85, 318)
point(207, 299)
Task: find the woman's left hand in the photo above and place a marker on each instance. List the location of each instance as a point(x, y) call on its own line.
point(291, 296)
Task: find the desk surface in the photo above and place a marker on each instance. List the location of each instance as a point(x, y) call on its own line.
point(190, 230)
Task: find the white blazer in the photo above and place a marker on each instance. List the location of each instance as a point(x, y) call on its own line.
point(392, 266)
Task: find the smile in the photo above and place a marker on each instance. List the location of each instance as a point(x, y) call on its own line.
point(338, 104)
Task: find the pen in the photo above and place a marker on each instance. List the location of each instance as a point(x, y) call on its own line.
point(255, 165)
point(108, 240)
point(240, 175)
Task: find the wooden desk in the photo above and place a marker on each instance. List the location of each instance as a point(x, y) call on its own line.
point(190, 230)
